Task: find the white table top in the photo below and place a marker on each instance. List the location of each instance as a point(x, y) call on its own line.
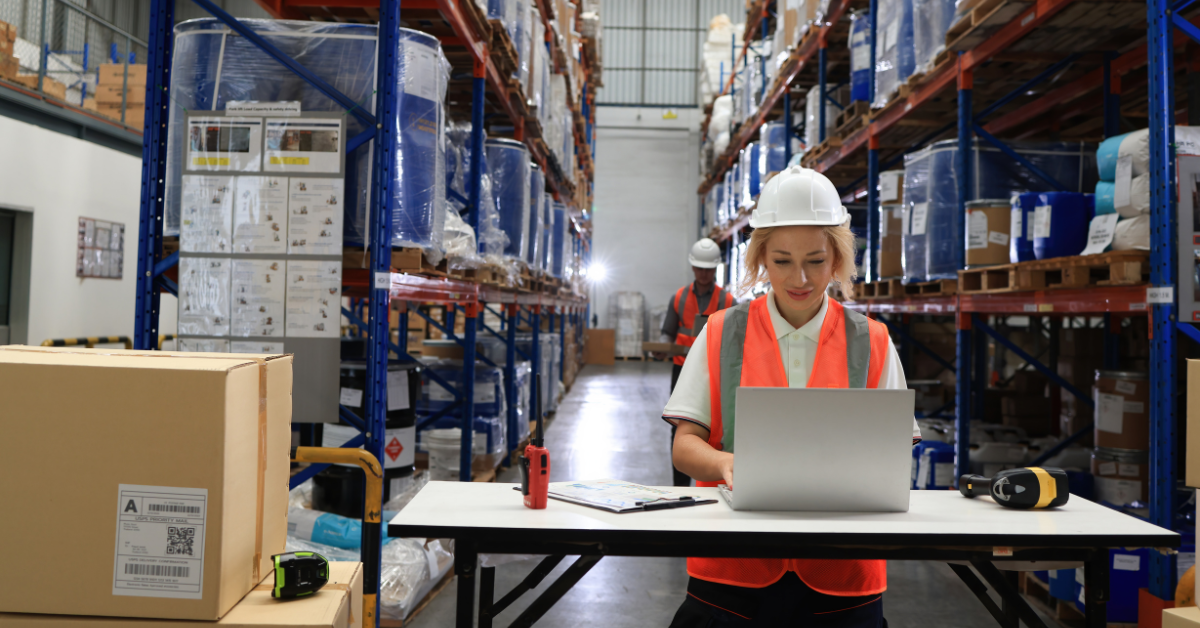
point(935, 518)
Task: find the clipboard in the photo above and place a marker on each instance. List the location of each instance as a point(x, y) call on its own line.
point(621, 497)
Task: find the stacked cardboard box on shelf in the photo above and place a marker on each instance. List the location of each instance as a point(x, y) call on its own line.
point(8, 62)
point(1080, 353)
point(121, 83)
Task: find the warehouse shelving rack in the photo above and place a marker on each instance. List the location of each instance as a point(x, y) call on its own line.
point(941, 105)
point(379, 284)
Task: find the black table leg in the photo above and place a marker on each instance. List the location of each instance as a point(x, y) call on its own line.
point(1008, 593)
point(487, 593)
point(1012, 620)
point(465, 561)
point(1095, 589)
point(981, 592)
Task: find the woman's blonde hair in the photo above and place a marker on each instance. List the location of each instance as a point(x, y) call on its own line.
point(841, 240)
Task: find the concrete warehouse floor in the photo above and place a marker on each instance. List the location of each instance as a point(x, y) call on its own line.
point(610, 426)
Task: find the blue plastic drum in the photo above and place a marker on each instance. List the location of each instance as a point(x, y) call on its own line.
point(860, 55)
point(750, 170)
point(1060, 224)
point(774, 148)
point(508, 164)
point(418, 201)
point(537, 197)
point(548, 235)
point(1020, 242)
point(559, 240)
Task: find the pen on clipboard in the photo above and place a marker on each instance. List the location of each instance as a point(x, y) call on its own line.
point(686, 500)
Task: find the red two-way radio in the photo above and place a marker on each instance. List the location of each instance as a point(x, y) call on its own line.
point(535, 469)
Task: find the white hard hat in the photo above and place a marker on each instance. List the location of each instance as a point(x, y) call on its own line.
point(799, 196)
point(705, 254)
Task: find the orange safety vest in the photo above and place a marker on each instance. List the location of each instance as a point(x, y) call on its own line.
point(743, 351)
point(687, 306)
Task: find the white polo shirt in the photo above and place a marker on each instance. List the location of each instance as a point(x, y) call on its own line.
point(797, 347)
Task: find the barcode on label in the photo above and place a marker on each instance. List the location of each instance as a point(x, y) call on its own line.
point(192, 510)
point(170, 571)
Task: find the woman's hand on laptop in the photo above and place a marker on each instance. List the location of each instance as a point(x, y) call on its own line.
point(726, 465)
point(694, 456)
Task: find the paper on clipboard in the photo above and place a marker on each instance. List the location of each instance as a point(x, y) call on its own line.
point(620, 496)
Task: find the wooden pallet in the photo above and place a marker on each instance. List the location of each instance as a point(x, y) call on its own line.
point(502, 49)
point(405, 260)
point(817, 153)
point(630, 358)
point(985, 18)
point(936, 288)
point(852, 118)
point(1118, 268)
point(885, 289)
point(477, 17)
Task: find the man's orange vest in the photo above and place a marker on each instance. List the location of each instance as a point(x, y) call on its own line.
point(743, 351)
point(687, 306)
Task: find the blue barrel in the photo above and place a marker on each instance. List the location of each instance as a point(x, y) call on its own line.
point(1020, 241)
point(944, 221)
point(418, 195)
point(210, 69)
point(860, 55)
point(558, 259)
point(775, 144)
point(916, 215)
point(537, 197)
point(749, 168)
point(1106, 157)
point(1104, 198)
point(1060, 224)
point(548, 234)
point(508, 164)
point(894, 56)
point(727, 208)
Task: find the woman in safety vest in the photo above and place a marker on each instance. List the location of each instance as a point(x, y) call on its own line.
point(793, 336)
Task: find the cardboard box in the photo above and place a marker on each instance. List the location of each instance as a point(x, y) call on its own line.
point(114, 74)
point(134, 116)
point(442, 349)
point(668, 348)
point(338, 604)
point(891, 248)
point(9, 66)
point(111, 95)
point(1181, 617)
point(601, 347)
point(1192, 451)
point(156, 444)
point(54, 89)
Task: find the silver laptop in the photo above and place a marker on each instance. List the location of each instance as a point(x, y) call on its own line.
point(822, 449)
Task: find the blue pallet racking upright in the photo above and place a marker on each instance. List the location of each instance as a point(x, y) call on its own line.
point(1012, 81)
point(379, 284)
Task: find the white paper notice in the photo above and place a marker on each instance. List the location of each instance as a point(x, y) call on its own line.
point(1105, 468)
point(1100, 233)
point(254, 107)
point(304, 145)
point(1129, 470)
point(205, 345)
point(351, 398)
point(919, 212)
point(255, 346)
point(258, 298)
point(1016, 225)
point(229, 144)
point(314, 299)
point(1126, 388)
point(420, 72)
point(397, 390)
point(1110, 412)
point(889, 186)
point(204, 296)
point(883, 224)
point(1041, 221)
point(1127, 562)
point(260, 215)
point(1123, 182)
point(977, 230)
point(315, 209)
point(998, 237)
point(1119, 492)
point(207, 214)
point(160, 541)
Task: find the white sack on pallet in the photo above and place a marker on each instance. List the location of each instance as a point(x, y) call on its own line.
point(1136, 146)
point(1139, 197)
point(1132, 233)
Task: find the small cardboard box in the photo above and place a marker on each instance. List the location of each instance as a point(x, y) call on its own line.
point(1192, 452)
point(111, 94)
point(601, 347)
point(339, 604)
point(891, 248)
point(176, 469)
point(54, 89)
point(134, 116)
point(668, 348)
point(114, 74)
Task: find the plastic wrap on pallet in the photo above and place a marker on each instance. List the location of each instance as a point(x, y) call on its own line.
point(558, 241)
point(811, 113)
point(462, 250)
point(774, 146)
point(522, 40)
point(506, 12)
point(537, 197)
point(894, 54)
point(549, 365)
point(626, 313)
point(860, 55)
point(995, 175)
point(508, 165)
point(409, 570)
point(548, 235)
point(917, 167)
point(489, 388)
point(751, 173)
point(537, 60)
point(931, 20)
point(210, 69)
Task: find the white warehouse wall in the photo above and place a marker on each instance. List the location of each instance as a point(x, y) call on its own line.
point(61, 178)
point(646, 211)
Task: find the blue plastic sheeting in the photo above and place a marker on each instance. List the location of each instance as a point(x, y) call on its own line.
point(548, 234)
point(557, 243)
point(506, 12)
point(327, 528)
point(934, 466)
point(748, 169)
point(894, 54)
point(930, 176)
point(860, 56)
point(1104, 198)
point(1060, 223)
point(508, 165)
point(931, 20)
point(489, 388)
point(1106, 157)
point(775, 146)
point(210, 68)
point(1020, 242)
point(537, 198)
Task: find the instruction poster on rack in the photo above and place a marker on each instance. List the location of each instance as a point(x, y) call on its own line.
point(258, 297)
point(304, 145)
point(315, 208)
point(228, 144)
point(204, 284)
point(260, 215)
point(314, 299)
point(204, 225)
